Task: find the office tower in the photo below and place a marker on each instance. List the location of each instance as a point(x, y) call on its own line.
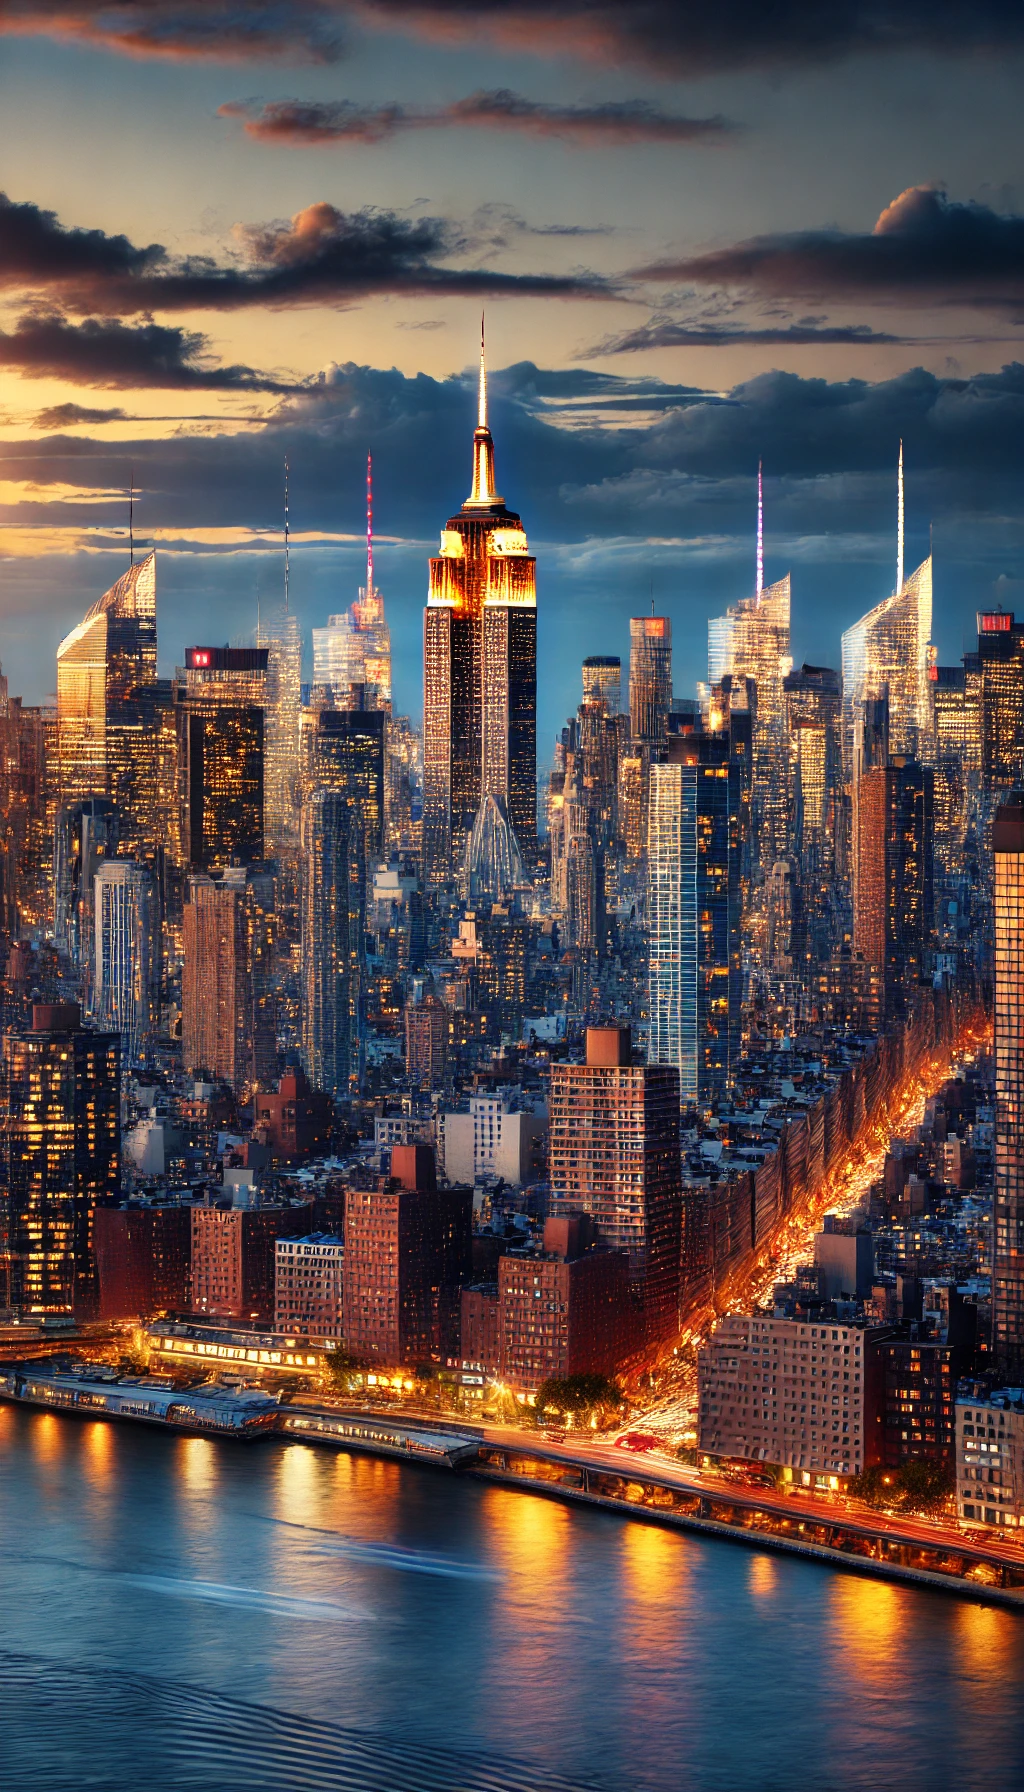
point(308, 1286)
point(957, 765)
point(26, 843)
point(143, 1257)
point(332, 919)
point(227, 1021)
point(348, 757)
point(813, 716)
point(650, 678)
point(751, 641)
point(282, 715)
point(632, 794)
point(220, 701)
point(614, 1154)
point(427, 1027)
point(126, 958)
point(602, 681)
point(148, 795)
point(99, 665)
point(234, 1259)
point(693, 916)
point(60, 1118)
point(403, 785)
point(408, 1250)
point(479, 670)
point(887, 654)
point(999, 677)
point(87, 833)
point(1008, 1243)
point(893, 917)
point(352, 655)
point(584, 883)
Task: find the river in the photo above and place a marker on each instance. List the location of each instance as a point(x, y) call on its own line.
point(190, 1613)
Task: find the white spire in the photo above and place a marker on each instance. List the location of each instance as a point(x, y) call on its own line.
point(899, 524)
point(760, 532)
point(369, 525)
point(481, 420)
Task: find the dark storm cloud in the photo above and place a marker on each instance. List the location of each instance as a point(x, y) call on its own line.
point(321, 256)
point(924, 246)
point(665, 332)
point(102, 351)
point(314, 123)
point(679, 36)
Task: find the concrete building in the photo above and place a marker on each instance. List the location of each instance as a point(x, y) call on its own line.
point(845, 1264)
point(490, 1140)
point(233, 1259)
point(914, 1415)
point(801, 1396)
point(308, 1285)
point(990, 1457)
point(143, 1260)
point(297, 1121)
point(565, 1311)
point(408, 1251)
point(614, 1154)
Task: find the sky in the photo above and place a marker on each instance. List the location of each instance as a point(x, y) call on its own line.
point(703, 237)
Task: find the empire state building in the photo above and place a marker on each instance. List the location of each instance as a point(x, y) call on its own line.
point(479, 670)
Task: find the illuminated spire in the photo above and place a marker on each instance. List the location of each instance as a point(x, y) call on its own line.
point(483, 493)
point(287, 538)
point(369, 525)
point(760, 532)
point(899, 524)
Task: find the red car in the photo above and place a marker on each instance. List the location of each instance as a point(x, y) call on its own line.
point(638, 1440)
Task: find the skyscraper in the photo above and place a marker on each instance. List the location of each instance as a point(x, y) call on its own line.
point(332, 919)
point(650, 678)
point(887, 653)
point(126, 985)
point(348, 757)
point(479, 669)
point(283, 642)
point(99, 665)
point(1008, 1245)
point(602, 681)
point(227, 1029)
point(408, 1249)
point(221, 699)
point(60, 1117)
point(614, 1153)
point(893, 916)
point(813, 713)
point(1000, 677)
point(693, 915)
point(352, 655)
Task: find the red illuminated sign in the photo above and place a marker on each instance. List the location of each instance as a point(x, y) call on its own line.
point(995, 622)
point(200, 656)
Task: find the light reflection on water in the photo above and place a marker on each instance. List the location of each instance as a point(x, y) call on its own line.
point(193, 1594)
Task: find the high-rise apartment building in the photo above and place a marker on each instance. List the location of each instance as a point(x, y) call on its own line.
point(234, 1259)
point(693, 915)
point(614, 1154)
point(227, 1023)
point(143, 1258)
point(893, 918)
point(1008, 1243)
point(308, 1285)
point(408, 1251)
point(332, 920)
point(220, 703)
point(60, 1119)
point(126, 958)
point(479, 670)
point(751, 641)
point(1000, 684)
point(650, 678)
point(100, 665)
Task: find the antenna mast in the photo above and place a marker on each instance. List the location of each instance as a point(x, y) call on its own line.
point(131, 516)
point(369, 525)
point(760, 532)
point(899, 523)
point(287, 543)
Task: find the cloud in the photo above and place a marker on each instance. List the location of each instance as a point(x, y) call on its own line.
point(313, 123)
point(924, 246)
point(71, 416)
point(320, 256)
point(102, 351)
point(665, 332)
point(676, 36)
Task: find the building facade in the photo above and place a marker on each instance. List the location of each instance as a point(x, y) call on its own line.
point(1008, 1242)
point(308, 1285)
point(332, 912)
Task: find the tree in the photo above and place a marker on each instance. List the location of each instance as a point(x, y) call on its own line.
point(580, 1395)
point(339, 1368)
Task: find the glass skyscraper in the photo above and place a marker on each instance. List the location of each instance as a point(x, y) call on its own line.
point(126, 985)
point(887, 654)
point(752, 641)
point(332, 914)
point(1008, 1245)
point(106, 658)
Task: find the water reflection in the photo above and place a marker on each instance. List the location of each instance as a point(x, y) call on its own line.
point(763, 1576)
point(867, 1627)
